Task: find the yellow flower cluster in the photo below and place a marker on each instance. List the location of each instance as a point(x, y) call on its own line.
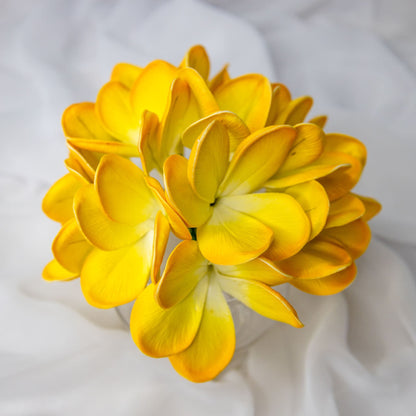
point(257, 197)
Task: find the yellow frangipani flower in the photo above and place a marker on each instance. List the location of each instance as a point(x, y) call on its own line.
point(185, 315)
point(258, 196)
point(216, 196)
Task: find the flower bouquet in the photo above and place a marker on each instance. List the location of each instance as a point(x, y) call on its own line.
point(255, 196)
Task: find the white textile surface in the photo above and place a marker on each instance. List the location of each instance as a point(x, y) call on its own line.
point(357, 352)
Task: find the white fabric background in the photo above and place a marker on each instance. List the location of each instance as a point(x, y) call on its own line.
point(356, 354)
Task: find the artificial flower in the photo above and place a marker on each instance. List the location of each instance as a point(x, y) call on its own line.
point(185, 315)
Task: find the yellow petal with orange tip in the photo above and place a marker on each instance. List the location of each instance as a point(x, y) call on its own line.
point(337, 142)
point(208, 161)
point(280, 100)
point(115, 113)
point(344, 210)
point(354, 237)
point(320, 121)
point(123, 191)
point(219, 79)
point(318, 258)
point(296, 111)
point(58, 201)
point(81, 121)
point(119, 148)
point(113, 278)
point(214, 344)
point(197, 58)
point(160, 240)
point(184, 269)
point(259, 269)
point(306, 148)
point(232, 237)
point(372, 207)
point(314, 201)
point(70, 248)
point(328, 285)
point(178, 225)
point(339, 182)
point(236, 129)
point(160, 332)
point(53, 271)
point(261, 298)
point(249, 96)
point(148, 145)
point(193, 210)
point(151, 90)
point(125, 74)
point(256, 159)
point(281, 214)
point(323, 166)
point(98, 228)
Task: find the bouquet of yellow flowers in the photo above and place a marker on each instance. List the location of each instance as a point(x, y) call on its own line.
point(256, 196)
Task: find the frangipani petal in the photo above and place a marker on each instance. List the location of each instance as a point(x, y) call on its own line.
point(70, 248)
point(328, 285)
point(280, 213)
point(315, 170)
point(58, 201)
point(339, 182)
point(295, 112)
point(259, 269)
point(262, 299)
point(248, 96)
point(344, 210)
point(280, 100)
point(256, 159)
point(337, 142)
point(151, 90)
point(82, 163)
point(123, 191)
point(236, 129)
point(354, 237)
point(219, 79)
point(162, 332)
point(214, 343)
point(98, 228)
point(160, 240)
point(231, 237)
point(80, 121)
point(372, 207)
point(179, 228)
point(113, 278)
point(115, 113)
point(208, 161)
point(197, 58)
point(100, 146)
point(318, 258)
point(148, 144)
point(320, 121)
point(314, 201)
point(55, 272)
point(125, 74)
point(194, 210)
point(184, 269)
point(306, 148)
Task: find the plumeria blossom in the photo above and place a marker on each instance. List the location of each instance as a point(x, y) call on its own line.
point(185, 315)
point(256, 195)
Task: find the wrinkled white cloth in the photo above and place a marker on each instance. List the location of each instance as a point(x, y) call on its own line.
point(357, 352)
